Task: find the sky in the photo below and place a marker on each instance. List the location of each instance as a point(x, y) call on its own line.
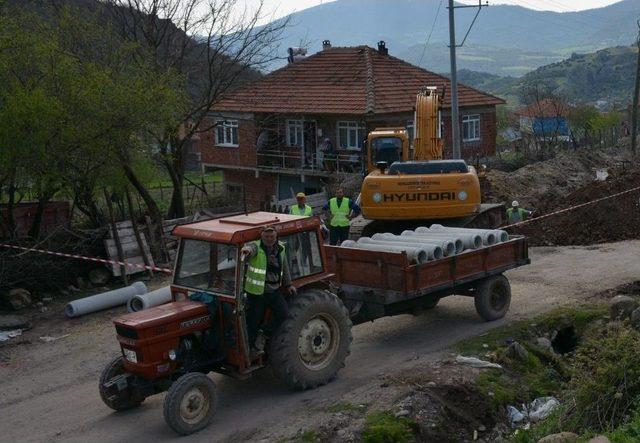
point(278, 8)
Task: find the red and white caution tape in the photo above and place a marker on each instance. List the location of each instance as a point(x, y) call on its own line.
point(169, 271)
point(571, 208)
point(94, 259)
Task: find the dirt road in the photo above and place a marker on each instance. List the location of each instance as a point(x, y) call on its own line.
point(49, 390)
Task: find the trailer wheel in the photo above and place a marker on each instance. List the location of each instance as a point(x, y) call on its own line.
point(123, 399)
point(493, 297)
point(310, 346)
point(190, 403)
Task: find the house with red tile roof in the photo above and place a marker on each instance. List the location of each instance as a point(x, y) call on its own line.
point(272, 137)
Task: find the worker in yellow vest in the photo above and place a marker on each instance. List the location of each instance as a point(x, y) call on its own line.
point(342, 209)
point(302, 208)
point(267, 274)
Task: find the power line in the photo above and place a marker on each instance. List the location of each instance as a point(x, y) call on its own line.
point(430, 32)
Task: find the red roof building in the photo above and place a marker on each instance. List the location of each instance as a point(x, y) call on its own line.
point(271, 135)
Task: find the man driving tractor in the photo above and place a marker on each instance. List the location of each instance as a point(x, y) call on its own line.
point(267, 273)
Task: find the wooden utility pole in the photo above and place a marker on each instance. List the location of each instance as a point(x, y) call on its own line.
point(636, 93)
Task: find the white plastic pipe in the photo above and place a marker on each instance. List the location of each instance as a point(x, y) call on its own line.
point(488, 235)
point(105, 300)
point(149, 300)
point(416, 255)
point(434, 252)
point(470, 240)
point(447, 245)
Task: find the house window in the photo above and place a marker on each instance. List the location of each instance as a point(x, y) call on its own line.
point(350, 135)
point(471, 128)
point(227, 133)
point(294, 133)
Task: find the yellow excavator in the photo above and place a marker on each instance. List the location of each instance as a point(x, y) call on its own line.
point(404, 189)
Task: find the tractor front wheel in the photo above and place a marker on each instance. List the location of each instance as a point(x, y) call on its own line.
point(117, 398)
point(311, 345)
point(190, 403)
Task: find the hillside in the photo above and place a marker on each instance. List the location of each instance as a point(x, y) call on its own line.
point(506, 40)
point(606, 75)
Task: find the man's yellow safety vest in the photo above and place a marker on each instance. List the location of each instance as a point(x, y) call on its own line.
point(340, 214)
point(295, 210)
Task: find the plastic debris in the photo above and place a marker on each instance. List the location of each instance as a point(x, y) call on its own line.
point(48, 338)
point(6, 335)
point(514, 415)
point(537, 410)
point(541, 407)
point(476, 362)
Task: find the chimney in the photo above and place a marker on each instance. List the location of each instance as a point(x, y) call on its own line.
point(326, 44)
point(382, 48)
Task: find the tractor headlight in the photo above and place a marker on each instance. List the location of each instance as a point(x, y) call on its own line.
point(130, 355)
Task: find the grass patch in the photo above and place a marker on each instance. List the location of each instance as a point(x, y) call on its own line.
point(525, 329)
point(309, 436)
point(384, 427)
point(346, 407)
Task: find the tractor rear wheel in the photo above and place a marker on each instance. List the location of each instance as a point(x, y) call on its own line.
point(493, 297)
point(123, 399)
point(190, 403)
point(310, 346)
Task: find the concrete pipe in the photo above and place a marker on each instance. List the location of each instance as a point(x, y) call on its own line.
point(488, 235)
point(448, 246)
point(105, 300)
point(434, 252)
point(415, 255)
point(469, 240)
point(149, 300)
point(452, 237)
point(501, 235)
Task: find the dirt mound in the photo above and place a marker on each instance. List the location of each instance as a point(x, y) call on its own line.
point(545, 184)
point(613, 219)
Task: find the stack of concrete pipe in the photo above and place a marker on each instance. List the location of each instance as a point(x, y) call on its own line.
point(433, 243)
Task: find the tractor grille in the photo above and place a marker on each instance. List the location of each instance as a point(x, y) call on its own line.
point(126, 332)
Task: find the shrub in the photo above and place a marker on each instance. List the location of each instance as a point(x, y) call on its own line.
point(605, 382)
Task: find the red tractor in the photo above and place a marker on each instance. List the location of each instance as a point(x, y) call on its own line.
point(173, 346)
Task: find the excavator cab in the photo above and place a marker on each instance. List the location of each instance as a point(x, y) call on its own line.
point(386, 145)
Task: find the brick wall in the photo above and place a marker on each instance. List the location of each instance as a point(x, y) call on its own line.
point(257, 190)
point(487, 143)
point(243, 155)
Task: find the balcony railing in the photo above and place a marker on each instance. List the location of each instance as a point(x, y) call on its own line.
point(343, 161)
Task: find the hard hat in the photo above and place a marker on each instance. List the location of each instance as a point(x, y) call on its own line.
point(515, 203)
point(300, 195)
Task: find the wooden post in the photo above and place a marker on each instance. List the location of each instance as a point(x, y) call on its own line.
point(136, 231)
point(116, 237)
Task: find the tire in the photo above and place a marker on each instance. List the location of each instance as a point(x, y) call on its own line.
point(190, 403)
point(116, 367)
point(310, 347)
point(493, 297)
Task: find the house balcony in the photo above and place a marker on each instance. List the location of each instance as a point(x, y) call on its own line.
point(294, 160)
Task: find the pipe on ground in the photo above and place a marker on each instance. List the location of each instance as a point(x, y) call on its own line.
point(150, 299)
point(434, 252)
point(105, 300)
point(448, 246)
point(416, 255)
point(469, 240)
point(489, 236)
